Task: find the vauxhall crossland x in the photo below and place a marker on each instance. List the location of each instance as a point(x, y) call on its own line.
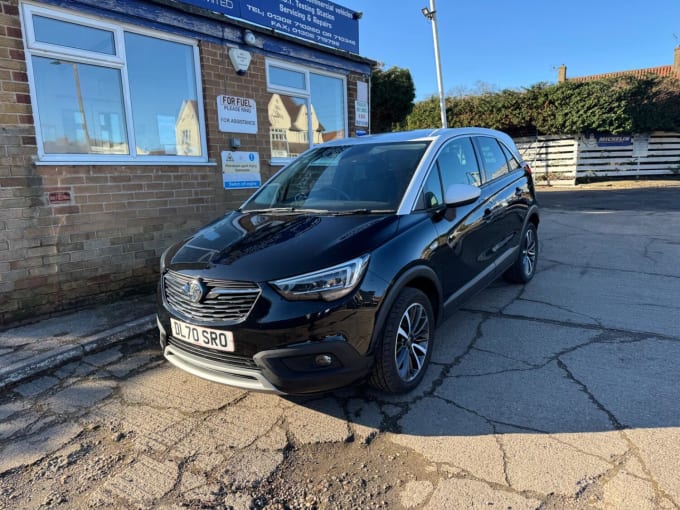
point(339, 268)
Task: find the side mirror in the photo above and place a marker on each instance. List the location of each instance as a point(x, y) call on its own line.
point(461, 194)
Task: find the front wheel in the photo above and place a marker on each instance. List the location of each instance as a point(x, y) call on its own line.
point(524, 268)
point(405, 344)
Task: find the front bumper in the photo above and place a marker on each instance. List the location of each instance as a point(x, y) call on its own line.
point(289, 370)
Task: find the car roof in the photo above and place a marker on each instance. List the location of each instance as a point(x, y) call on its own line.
point(421, 134)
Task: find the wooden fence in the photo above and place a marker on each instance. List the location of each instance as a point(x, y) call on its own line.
point(567, 160)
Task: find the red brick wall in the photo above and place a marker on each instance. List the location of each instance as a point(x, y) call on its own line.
point(107, 240)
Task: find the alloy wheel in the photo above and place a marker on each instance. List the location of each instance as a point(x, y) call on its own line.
point(413, 339)
point(529, 252)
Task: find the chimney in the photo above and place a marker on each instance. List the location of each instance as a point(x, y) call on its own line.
point(676, 60)
point(562, 70)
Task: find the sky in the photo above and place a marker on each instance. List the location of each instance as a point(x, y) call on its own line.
point(515, 44)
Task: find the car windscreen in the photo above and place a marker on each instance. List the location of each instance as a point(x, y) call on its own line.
point(355, 177)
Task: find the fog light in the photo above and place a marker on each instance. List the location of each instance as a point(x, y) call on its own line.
point(323, 360)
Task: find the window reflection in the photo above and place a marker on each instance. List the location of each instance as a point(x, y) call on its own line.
point(296, 123)
point(165, 118)
point(72, 35)
point(288, 125)
point(328, 103)
point(81, 108)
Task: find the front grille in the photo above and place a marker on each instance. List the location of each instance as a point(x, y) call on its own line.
point(233, 360)
point(225, 302)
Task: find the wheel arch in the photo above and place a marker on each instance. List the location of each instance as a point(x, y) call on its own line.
point(422, 278)
point(532, 217)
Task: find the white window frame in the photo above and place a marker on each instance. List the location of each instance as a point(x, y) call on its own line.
point(117, 61)
point(305, 93)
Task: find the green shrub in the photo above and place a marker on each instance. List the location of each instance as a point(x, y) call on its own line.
point(611, 105)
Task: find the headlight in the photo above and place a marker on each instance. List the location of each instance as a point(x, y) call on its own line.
point(328, 284)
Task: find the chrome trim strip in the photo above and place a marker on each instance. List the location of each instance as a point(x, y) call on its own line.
point(234, 291)
point(482, 275)
point(243, 378)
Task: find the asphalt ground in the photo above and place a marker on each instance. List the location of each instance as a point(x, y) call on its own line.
point(654, 195)
point(559, 394)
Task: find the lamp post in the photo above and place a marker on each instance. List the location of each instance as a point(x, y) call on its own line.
point(79, 98)
point(431, 14)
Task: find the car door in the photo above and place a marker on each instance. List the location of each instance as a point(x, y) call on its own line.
point(506, 187)
point(463, 231)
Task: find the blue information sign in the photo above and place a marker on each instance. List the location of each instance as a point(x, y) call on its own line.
point(319, 21)
point(613, 140)
point(228, 7)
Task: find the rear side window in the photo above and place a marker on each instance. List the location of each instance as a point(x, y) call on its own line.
point(457, 163)
point(493, 159)
point(513, 164)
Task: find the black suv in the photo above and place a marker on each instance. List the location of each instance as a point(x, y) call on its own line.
point(339, 268)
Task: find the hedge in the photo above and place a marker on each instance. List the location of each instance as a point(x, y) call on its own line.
point(622, 105)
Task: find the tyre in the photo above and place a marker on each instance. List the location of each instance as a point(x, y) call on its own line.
point(524, 268)
point(406, 342)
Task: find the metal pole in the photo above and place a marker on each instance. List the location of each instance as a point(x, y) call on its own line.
point(79, 96)
point(440, 81)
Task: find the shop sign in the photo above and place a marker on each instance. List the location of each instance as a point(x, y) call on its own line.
point(319, 21)
point(361, 113)
point(237, 114)
point(241, 169)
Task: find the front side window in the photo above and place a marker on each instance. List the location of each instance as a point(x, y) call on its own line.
point(305, 108)
point(106, 93)
point(457, 163)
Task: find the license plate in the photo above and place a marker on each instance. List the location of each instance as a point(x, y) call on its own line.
point(203, 337)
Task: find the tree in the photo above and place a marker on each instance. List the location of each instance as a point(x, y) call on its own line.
point(392, 95)
point(620, 105)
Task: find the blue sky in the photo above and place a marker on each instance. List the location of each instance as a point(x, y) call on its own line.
point(514, 44)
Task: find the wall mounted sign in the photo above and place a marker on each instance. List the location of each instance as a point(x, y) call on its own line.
point(640, 146)
point(361, 113)
point(319, 21)
point(60, 197)
point(241, 170)
point(237, 114)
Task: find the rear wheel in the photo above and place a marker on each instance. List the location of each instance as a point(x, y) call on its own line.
point(524, 268)
point(405, 344)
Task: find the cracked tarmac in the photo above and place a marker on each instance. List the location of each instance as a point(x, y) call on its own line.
point(559, 394)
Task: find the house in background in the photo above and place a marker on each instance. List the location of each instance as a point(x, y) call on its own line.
point(668, 70)
point(188, 130)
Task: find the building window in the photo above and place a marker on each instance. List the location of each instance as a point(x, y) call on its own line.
point(306, 107)
point(105, 93)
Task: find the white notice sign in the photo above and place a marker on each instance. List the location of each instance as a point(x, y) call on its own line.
point(361, 113)
point(237, 114)
point(241, 169)
point(640, 146)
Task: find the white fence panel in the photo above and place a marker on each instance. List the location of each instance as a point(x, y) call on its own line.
point(552, 158)
point(557, 159)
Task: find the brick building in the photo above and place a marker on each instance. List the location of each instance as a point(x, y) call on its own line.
point(119, 120)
